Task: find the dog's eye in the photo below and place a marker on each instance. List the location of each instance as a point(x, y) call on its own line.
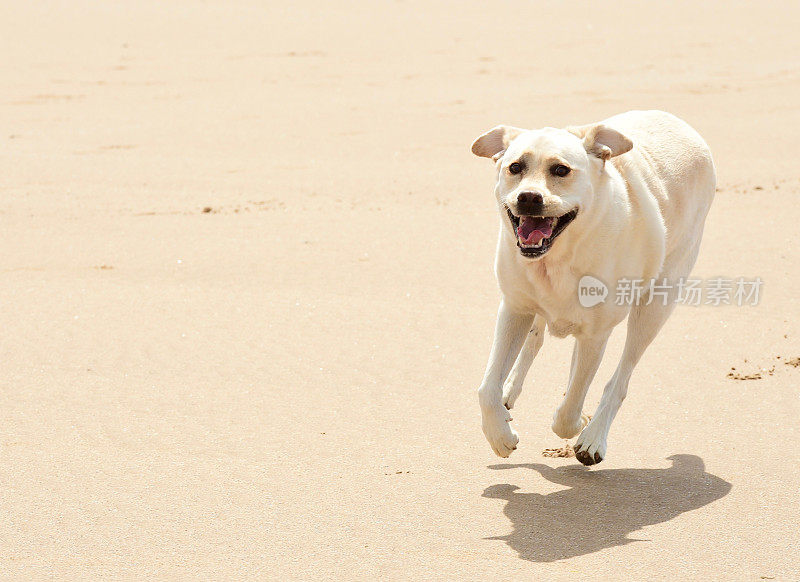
point(515, 168)
point(560, 170)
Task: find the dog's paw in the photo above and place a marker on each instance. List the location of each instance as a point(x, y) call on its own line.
point(511, 391)
point(567, 428)
point(499, 433)
point(590, 448)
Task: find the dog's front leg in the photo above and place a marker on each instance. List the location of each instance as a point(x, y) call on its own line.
point(644, 322)
point(509, 335)
point(533, 343)
point(586, 356)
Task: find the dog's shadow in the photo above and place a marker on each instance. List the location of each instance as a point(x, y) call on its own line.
point(600, 507)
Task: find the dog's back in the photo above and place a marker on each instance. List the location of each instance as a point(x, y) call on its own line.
point(675, 163)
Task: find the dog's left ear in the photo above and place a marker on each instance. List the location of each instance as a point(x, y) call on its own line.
point(602, 141)
point(494, 142)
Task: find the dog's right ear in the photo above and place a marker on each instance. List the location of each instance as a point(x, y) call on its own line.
point(494, 142)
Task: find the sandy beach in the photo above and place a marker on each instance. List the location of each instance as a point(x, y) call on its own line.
point(248, 295)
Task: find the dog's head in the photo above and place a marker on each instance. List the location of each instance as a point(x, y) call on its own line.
point(547, 177)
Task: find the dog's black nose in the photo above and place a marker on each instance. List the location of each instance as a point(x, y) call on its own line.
point(529, 203)
point(529, 198)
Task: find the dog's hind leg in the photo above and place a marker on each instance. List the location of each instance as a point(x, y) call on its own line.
point(533, 343)
point(586, 356)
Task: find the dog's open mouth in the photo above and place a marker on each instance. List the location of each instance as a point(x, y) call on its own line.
point(535, 234)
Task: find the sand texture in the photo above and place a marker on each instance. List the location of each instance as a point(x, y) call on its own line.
point(247, 295)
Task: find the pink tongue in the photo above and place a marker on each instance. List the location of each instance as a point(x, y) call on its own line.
point(533, 229)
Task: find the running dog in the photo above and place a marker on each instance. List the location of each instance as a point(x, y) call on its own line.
point(623, 199)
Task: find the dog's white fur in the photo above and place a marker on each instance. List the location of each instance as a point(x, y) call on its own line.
point(642, 182)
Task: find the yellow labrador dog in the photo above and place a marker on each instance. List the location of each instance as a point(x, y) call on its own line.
point(621, 200)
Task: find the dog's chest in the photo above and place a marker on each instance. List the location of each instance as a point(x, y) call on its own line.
point(563, 328)
point(564, 316)
point(552, 293)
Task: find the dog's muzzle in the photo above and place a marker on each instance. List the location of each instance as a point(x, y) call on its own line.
point(535, 234)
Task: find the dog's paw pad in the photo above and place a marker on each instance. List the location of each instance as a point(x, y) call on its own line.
point(587, 459)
